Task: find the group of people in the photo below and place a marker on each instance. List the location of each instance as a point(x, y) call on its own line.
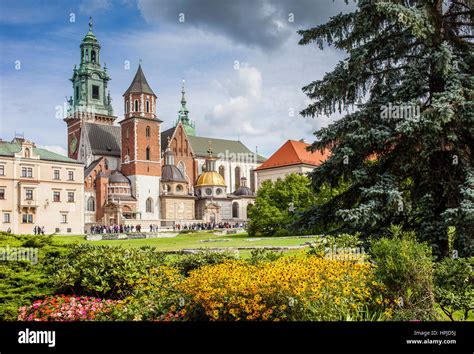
point(208, 226)
point(39, 230)
point(114, 229)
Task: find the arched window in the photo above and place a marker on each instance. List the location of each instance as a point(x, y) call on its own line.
point(222, 171)
point(27, 152)
point(235, 210)
point(147, 106)
point(87, 55)
point(149, 205)
point(93, 56)
point(147, 152)
point(182, 168)
point(91, 204)
point(127, 107)
point(136, 105)
point(237, 177)
point(147, 131)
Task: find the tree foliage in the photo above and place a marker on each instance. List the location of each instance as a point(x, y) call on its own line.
point(271, 213)
point(405, 168)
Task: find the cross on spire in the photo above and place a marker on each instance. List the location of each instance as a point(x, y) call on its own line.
point(90, 24)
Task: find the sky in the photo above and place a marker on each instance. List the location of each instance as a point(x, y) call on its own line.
point(241, 62)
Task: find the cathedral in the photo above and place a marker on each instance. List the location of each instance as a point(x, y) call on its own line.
point(135, 173)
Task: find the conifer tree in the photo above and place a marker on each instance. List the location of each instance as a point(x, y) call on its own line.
point(406, 139)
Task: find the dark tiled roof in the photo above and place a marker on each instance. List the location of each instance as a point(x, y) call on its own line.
point(118, 177)
point(139, 84)
point(91, 167)
point(104, 139)
point(164, 138)
point(170, 173)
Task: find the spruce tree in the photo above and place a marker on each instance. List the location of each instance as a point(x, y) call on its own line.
point(405, 141)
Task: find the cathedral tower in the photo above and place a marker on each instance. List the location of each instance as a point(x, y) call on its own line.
point(91, 101)
point(183, 116)
point(141, 146)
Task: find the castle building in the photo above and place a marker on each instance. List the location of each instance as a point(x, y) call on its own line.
point(135, 173)
point(39, 188)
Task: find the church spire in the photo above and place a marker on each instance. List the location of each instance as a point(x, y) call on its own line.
point(183, 115)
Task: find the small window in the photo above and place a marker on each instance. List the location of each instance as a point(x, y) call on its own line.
point(149, 205)
point(70, 175)
point(27, 218)
point(147, 106)
point(136, 105)
point(70, 197)
point(87, 55)
point(148, 153)
point(2, 193)
point(29, 194)
point(27, 153)
point(56, 174)
point(127, 108)
point(95, 92)
point(91, 204)
point(93, 56)
point(77, 93)
point(218, 191)
point(69, 230)
point(64, 218)
point(147, 131)
point(208, 191)
point(27, 172)
point(56, 196)
point(6, 217)
point(179, 188)
point(2, 170)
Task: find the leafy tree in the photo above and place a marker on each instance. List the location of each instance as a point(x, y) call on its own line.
point(406, 140)
point(271, 212)
point(454, 286)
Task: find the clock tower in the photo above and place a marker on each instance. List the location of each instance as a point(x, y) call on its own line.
point(91, 101)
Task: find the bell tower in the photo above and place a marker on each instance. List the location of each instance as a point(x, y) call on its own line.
point(141, 145)
point(91, 101)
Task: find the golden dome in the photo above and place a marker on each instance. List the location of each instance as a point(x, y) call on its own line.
point(210, 178)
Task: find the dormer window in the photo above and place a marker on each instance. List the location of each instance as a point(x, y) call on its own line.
point(27, 153)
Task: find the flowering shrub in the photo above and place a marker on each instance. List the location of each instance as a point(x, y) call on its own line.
point(66, 308)
point(290, 288)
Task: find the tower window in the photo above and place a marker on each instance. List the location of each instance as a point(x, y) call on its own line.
point(136, 105)
point(147, 106)
point(147, 132)
point(77, 93)
point(149, 205)
point(148, 153)
point(87, 55)
point(93, 56)
point(127, 107)
point(95, 92)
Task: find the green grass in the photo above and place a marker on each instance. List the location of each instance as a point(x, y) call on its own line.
point(193, 241)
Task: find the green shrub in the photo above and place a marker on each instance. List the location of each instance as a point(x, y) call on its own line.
point(405, 268)
point(341, 241)
point(263, 255)
point(103, 271)
point(22, 282)
point(454, 286)
point(189, 262)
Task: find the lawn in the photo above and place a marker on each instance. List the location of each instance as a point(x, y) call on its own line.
point(193, 240)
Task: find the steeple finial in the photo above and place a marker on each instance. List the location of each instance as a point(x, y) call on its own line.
point(183, 99)
point(90, 24)
point(209, 148)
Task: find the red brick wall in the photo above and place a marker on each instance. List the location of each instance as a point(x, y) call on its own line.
point(182, 151)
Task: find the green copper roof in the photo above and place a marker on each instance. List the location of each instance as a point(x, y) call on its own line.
point(220, 147)
point(11, 148)
point(90, 37)
point(183, 116)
